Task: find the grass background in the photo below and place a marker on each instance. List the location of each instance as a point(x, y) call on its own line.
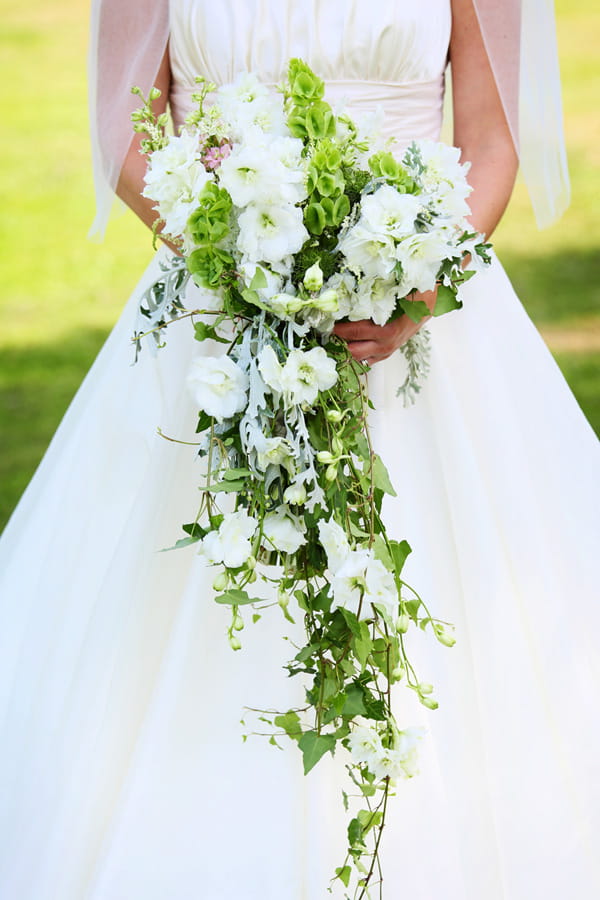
point(60, 293)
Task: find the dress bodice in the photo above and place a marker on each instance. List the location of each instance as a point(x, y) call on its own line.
point(391, 53)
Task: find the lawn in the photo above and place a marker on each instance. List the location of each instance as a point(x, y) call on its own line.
point(61, 293)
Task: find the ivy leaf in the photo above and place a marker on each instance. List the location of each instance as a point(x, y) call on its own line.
point(400, 552)
point(446, 300)
point(369, 819)
point(235, 474)
point(202, 331)
point(226, 487)
point(290, 723)
point(381, 478)
point(354, 703)
point(414, 309)
point(235, 597)
point(344, 873)
point(259, 281)
point(313, 747)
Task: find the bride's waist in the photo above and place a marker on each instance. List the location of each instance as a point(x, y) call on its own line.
point(411, 110)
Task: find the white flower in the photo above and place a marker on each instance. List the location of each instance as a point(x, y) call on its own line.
point(368, 252)
point(230, 545)
point(361, 581)
point(304, 374)
point(421, 256)
point(295, 493)
point(398, 761)
point(273, 452)
point(335, 543)
point(270, 233)
point(389, 212)
point(313, 278)
point(374, 298)
point(251, 174)
point(444, 179)
point(246, 104)
point(283, 531)
point(218, 386)
point(175, 178)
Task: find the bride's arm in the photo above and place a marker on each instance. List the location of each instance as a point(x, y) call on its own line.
point(482, 133)
point(131, 179)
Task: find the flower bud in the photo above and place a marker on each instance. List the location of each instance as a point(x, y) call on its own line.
point(313, 278)
point(283, 598)
point(238, 623)
point(444, 636)
point(397, 673)
point(251, 563)
point(324, 456)
point(337, 446)
point(252, 577)
point(295, 493)
point(221, 581)
point(327, 301)
point(429, 702)
point(334, 415)
point(234, 643)
point(402, 623)
point(331, 473)
point(424, 688)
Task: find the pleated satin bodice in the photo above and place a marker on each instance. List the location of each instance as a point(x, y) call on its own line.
point(389, 53)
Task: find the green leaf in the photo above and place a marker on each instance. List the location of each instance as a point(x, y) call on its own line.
point(344, 873)
point(354, 704)
point(313, 747)
point(235, 597)
point(414, 309)
point(369, 819)
point(355, 834)
point(400, 552)
point(227, 487)
point(362, 644)
point(235, 474)
point(290, 723)
point(203, 331)
point(446, 300)
point(381, 478)
point(259, 281)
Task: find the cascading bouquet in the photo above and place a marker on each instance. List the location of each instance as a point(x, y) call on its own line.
point(291, 217)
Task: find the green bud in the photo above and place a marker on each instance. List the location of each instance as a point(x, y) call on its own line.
point(331, 473)
point(424, 688)
point(313, 278)
point(337, 446)
point(429, 702)
point(444, 636)
point(238, 622)
point(334, 415)
point(234, 642)
point(251, 563)
point(283, 598)
point(397, 674)
point(252, 577)
point(324, 456)
point(154, 94)
point(402, 623)
point(221, 581)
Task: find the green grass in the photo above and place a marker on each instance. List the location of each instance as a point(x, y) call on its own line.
point(60, 294)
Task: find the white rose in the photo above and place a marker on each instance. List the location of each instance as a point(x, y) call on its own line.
point(218, 386)
point(283, 531)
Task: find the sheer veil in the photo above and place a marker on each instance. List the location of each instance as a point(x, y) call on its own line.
point(128, 39)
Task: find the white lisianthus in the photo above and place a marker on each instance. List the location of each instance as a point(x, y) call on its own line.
point(398, 761)
point(421, 256)
point(283, 531)
point(389, 212)
point(274, 281)
point(304, 374)
point(295, 493)
point(174, 179)
point(284, 305)
point(335, 543)
point(313, 278)
point(375, 298)
point(251, 174)
point(270, 233)
point(273, 452)
point(361, 581)
point(367, 251)
point(218, 385)
point(231, 544)
point(247, 104)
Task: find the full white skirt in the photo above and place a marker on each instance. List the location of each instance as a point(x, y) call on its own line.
point(123, 773)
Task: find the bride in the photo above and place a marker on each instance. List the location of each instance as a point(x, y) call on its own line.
point(123, 772)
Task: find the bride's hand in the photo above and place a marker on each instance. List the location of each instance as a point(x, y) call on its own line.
point(371, 343)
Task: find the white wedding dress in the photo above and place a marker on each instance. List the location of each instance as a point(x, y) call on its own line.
point(123, 773)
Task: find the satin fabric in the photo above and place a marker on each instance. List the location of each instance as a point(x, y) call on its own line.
point(123, 773)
